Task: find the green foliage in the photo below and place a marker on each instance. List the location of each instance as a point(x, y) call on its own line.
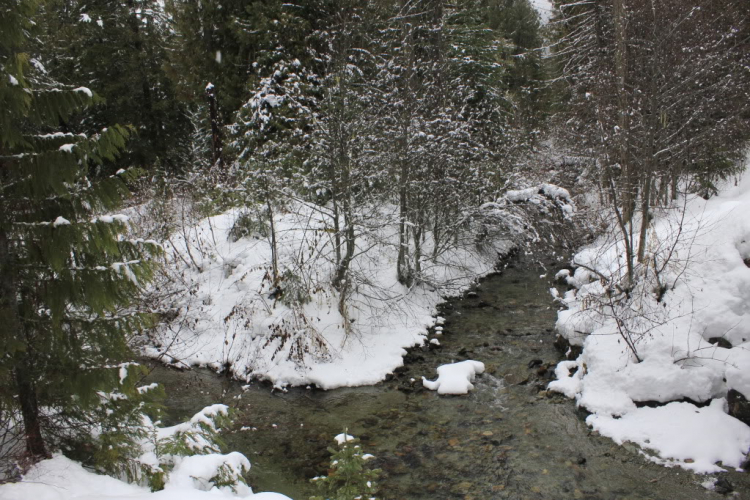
point(68, 272)
point(119, 50)
point(348, 477)
point(143, 452)
point(199, 436)
point(248, 224)
point(120, 427)
point(294, 291)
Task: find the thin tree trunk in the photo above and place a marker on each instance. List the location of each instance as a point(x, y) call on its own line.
point(274, 249)
point(645, 217)
point(402, 268)
point(217, 145)
point(627, 168)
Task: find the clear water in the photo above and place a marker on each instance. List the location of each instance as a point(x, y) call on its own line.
point(508, 438)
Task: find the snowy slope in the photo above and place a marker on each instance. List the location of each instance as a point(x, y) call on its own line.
point(227, 316)
point(708, 297)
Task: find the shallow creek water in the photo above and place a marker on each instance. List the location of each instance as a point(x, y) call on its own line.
point(508, 438)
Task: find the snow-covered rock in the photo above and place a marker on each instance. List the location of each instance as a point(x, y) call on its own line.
point(455, 378)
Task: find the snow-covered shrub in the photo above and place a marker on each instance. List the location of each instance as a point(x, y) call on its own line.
point(247, 224)
point(295, 333)
point(186, 454)
point(293, 290)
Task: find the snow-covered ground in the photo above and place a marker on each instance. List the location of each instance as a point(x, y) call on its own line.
point(699, 256)
point(228, 316)
point(205, 475)
point(60, 478)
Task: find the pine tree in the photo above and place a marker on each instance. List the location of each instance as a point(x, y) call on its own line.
point(349, 477)
point(119, 50)
point(68, 273)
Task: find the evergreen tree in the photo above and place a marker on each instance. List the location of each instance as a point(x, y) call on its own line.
point(118, 49)
point(68, 274)
point(209, 46)
point(349, 477)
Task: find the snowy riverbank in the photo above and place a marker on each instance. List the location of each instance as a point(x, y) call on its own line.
point(228, 315)
point(688, 320)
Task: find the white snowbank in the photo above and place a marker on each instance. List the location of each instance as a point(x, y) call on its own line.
point(455, 378)
point(60, 478)
point(697, 438)
point(229, 317)
point(708, 296)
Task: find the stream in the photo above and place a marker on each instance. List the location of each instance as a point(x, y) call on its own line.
point(509, 438)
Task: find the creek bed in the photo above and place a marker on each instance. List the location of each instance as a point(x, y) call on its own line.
point(509, 438)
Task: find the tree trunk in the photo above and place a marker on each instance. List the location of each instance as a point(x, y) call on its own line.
point(402, 267)
point(11, 321)
point(274, 249)
point(629, 182)
point(217, 145)
point(29, 410)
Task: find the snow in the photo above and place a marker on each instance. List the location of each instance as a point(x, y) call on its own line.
point(708, 296)
point(455, 378)
point(109, 219)
point(60, 221)
point(343, 438)
point(84, 90)
point(67, 148)
point(85, 18)
point(60, 478)
point(544, 7)
point(549, 190)
point(13, 80)
point(231, 318)
point(541, 193)
point(195, 472)
point(695, 438)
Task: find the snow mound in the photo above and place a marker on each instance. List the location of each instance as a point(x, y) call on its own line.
point(681, 434)
point(60, 478)
point(455, 378)
point(196, 472)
